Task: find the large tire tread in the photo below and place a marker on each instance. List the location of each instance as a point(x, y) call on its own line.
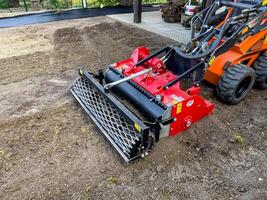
point(260, 67)
point(230, 81)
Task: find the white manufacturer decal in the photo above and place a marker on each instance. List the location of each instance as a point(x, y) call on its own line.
point(179, 99)
point(190, 103)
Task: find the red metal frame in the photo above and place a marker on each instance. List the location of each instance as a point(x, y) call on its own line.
point(187, 106)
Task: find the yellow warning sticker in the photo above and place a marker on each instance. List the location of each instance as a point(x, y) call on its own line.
point(264, 2)
point(212, 60)
point(122, 67)
point(179, 108)
point(174, 102)
point(137, 127)
point(81, 72)
point(245, 30)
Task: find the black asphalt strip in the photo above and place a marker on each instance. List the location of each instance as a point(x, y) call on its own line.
point(67, 15)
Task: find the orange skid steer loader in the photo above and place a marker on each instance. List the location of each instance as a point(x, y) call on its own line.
point(240, 60)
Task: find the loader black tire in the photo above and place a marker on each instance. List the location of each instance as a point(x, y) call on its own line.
point(260, 67)
point(235, 83)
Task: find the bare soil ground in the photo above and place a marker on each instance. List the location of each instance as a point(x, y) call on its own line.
point(49, 149)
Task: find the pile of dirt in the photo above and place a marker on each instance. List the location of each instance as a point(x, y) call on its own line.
point(50, 149)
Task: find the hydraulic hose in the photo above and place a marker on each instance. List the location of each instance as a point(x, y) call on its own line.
point(210, 12)
point(211, 49)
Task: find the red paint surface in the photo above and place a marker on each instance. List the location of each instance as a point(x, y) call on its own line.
point(193, 106)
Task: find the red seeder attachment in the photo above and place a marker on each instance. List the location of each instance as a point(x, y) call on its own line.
point(139, 100)
point(187, 107)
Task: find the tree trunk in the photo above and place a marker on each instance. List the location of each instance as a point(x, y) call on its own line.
point(13, 3)
point(35, 4)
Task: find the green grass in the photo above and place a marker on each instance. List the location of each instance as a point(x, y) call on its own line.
point(4, 4)
point(154, 1)
point(104, 3)
point(101, 3)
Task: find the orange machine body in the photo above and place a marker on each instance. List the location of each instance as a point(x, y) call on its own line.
point(245, 52)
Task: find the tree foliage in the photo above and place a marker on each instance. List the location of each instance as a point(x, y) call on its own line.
point(57, 4)
point(13, 3)
point(77, 3)
point(3, 4)
point(9, 3)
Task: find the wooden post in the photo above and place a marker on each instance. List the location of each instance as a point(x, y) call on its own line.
point(137, 11)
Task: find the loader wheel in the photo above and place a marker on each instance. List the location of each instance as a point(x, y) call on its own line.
point(260, 67)
point(235, 83)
